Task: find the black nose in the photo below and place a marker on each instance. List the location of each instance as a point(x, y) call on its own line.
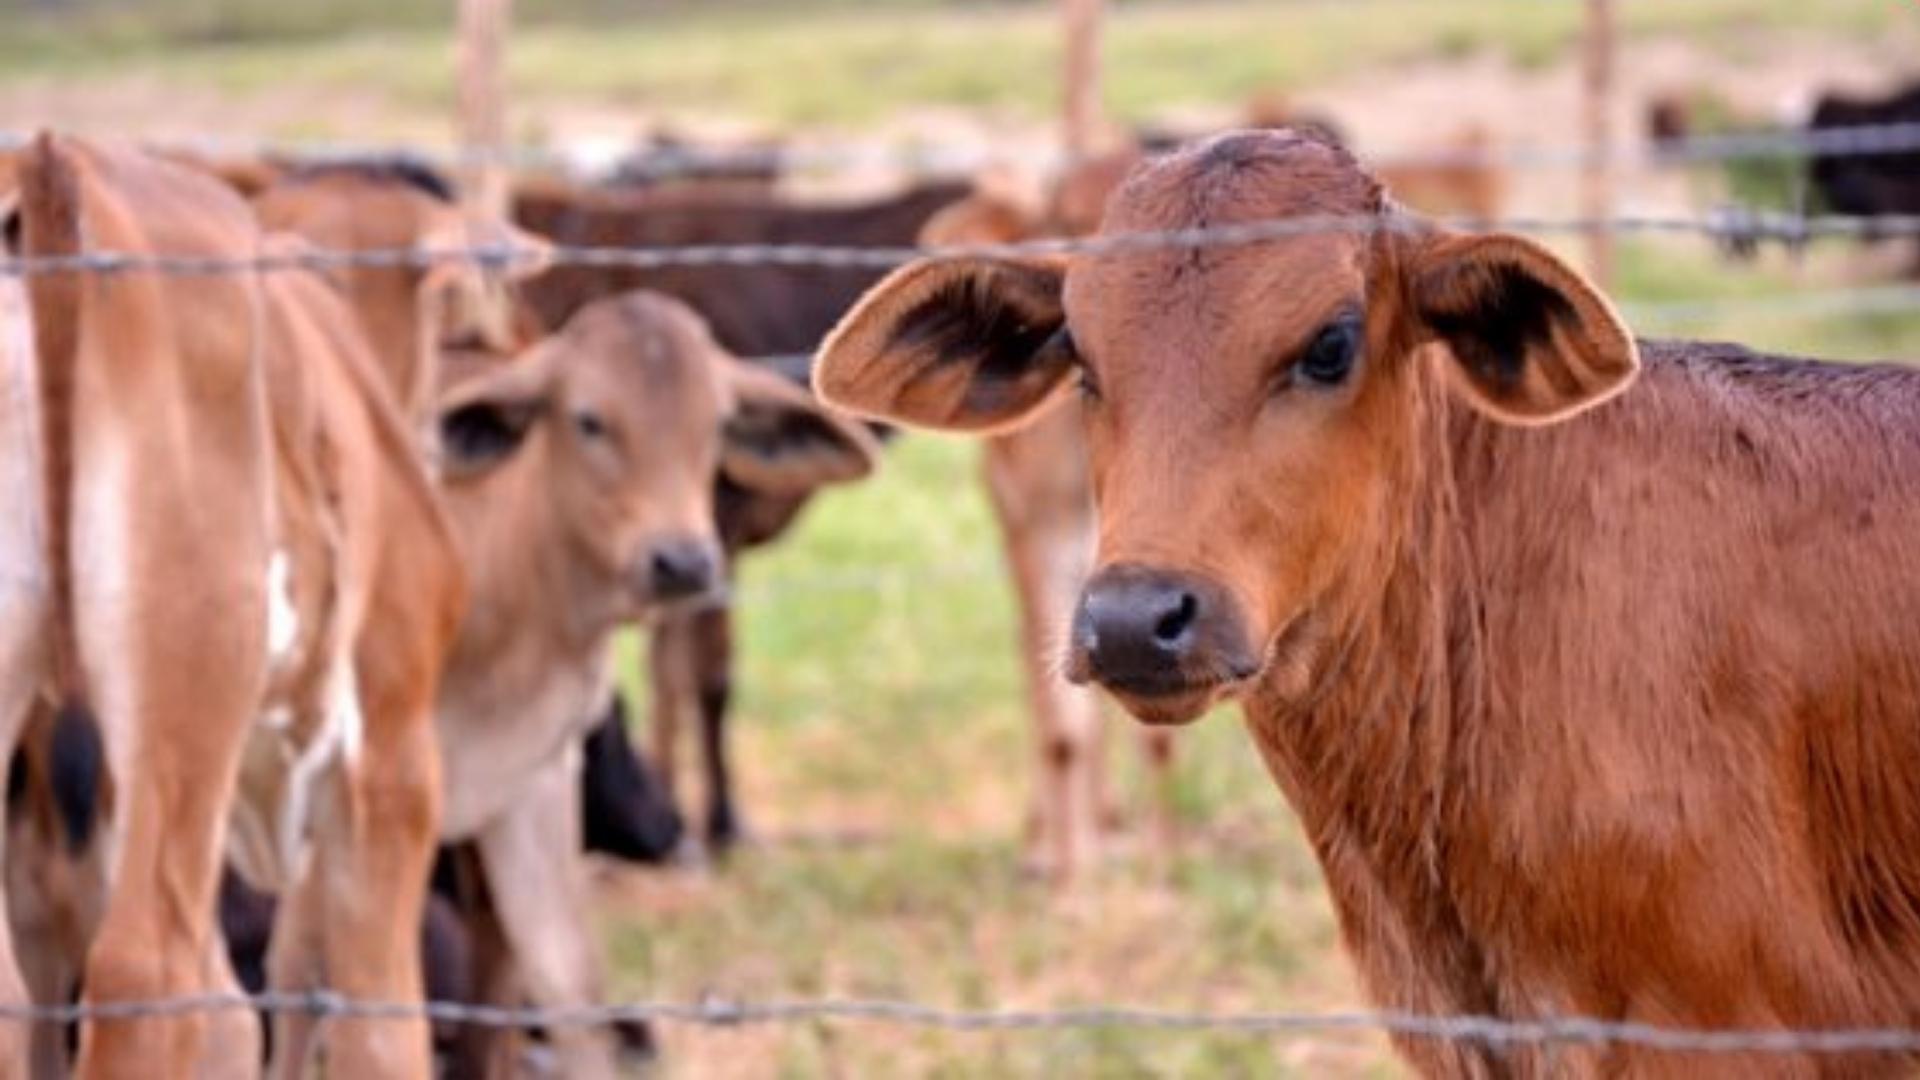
point(678, 569)
point(1155, 631)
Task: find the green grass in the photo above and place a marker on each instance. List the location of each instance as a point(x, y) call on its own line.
point(839, 63)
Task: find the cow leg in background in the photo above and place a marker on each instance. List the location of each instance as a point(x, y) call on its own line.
point(478, 1051)
point(534, 871)
point(373, 861)
point(1156, 745)
point(670, 682)
point(190, 696)
point(54, 893)
point(712, 664)
point(233, 1046)
point(692, 673)
point(1039, 488)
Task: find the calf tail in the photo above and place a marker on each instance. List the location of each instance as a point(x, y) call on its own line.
point(50, 227)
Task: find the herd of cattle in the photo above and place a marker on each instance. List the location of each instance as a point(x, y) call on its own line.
point(1585, 661)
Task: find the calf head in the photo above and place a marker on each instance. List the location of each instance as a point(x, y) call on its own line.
point(620, 423)
point(1254, 415)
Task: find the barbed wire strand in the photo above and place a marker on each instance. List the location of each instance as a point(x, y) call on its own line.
point(601, 158)
point(1743, 226)
point(714, 1011)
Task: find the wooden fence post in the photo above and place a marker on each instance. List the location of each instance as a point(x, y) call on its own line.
point(1081, 91)
point(482, 121)
point(1597, 188)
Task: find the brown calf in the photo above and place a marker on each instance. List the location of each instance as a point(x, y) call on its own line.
point(579, 479)
point(755, 312)
point(251, 589)
point(1592, 700)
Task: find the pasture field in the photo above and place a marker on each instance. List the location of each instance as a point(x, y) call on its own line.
point(363, 69)
point(885, 755)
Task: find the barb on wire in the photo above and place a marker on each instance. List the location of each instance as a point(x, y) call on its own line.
point(1747, 226)
point(723, 1012)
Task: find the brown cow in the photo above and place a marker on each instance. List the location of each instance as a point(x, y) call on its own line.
point(250, 590)
point(1593, 700)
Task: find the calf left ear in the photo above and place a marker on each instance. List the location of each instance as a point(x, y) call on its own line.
point(959, 344)
point(780, 441)
point(1531, 341)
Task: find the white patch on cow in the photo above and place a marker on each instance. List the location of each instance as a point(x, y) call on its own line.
point(283, 617)
point(23, 584)
point(347, 718)
point(22, 545)
point(336, 741)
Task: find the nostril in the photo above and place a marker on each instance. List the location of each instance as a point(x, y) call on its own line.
point(1173, 625)
point(681, 571)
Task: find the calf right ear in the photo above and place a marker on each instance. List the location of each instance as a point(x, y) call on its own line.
point(486, 418)
point(964, 344)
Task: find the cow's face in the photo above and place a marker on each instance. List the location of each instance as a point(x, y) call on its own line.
point(1251, 413)
point(620, 422)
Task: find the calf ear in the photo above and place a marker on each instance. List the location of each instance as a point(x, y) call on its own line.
point(955, 344)
point(483, 420)
point(780, 441)
point(1532, 342)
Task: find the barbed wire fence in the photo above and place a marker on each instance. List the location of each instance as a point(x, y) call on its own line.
point(724, 1013)
point(589, 160)
point(1725, 225)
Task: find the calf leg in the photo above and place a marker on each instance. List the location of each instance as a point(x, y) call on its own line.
point(353, 921)
point(669, 656)
point(1046, 522)
point(712, 663)
point(1156, 744)
point(53, 898)
point(156, 938)
point(377, 857)
point(532, 862)
point(479, 1051)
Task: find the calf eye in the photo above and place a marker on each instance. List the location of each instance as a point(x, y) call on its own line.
point(589, 424)
point(1062, 342)
point(1331, 355)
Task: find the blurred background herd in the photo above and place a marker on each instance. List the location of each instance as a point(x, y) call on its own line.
point(883, 745)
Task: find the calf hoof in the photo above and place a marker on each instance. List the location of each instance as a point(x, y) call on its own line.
point(724, 833)
point(635, 1041)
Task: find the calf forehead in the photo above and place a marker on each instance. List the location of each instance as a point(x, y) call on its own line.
point(1252, 296)
point(651, 353)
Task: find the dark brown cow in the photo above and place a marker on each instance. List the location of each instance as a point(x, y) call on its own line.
point(1596, 697)
point(754, 311)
